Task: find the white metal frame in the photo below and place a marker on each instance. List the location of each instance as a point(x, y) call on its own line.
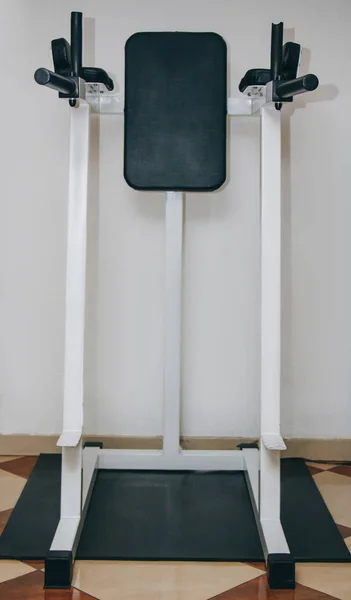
point(262, 466)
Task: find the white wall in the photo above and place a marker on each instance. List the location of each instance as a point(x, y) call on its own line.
point(125, 254)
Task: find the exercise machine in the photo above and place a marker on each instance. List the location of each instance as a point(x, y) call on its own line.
point(175, 108)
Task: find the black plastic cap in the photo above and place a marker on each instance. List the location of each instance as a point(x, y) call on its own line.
point(93, 445)
point(58, 570)
point(310, 82)
point(252, 445)
point(281, 571)
point(42, 76)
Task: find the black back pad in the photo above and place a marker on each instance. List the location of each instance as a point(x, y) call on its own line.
point(175, 111)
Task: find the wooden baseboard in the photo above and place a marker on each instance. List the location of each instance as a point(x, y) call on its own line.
point(313, 449)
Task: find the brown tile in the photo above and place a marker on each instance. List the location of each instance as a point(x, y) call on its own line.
point(143, 580)
point(333, 579)
point(36, 564)
point(345, 531)
point(11, 487)
point(342, 470)
point(7, 458)
point(30, 587)
point(257, 565)
point(257, 589)
point(313, 470)
point(20, 466)
point(4, 517)
point(11, 569)
point(336, 492)
point(321, 466)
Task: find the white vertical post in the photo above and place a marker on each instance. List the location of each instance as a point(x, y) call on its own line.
point(75, 276)
point(270, 312)
point(71, 482)
point(173, 321)
point(70, 440)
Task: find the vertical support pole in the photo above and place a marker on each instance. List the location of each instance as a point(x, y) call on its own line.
point(71, 482)
point(70, 439)
point(280, 563)
point(75, 272)
point(173, 321)
point(270, 308)
point(59, 562)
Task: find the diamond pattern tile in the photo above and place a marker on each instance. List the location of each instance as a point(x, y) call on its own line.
point(20, 466)
point(257, 565)
point(10, 569)
point(35, 564)
point(258, 589)
point(30, 587)
point(336, 491)
point(320, 465)
point(4, 517)
point(343, 470)
point(345, 531)
point(313, 470)
point(7, 458)
point(11, 487)
point(161, 580)
point(334, 580)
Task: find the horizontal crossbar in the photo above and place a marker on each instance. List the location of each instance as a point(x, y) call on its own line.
point(112, 103)
point(184, 460)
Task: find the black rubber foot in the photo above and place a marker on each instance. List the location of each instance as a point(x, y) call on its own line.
point(281, 572)
point(248, 445)
point(58, 570)
point(93, 445)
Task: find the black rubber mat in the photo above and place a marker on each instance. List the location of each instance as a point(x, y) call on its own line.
point(172, 515)
point(175, 111)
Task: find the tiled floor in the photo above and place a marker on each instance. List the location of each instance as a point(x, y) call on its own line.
point(100, 580)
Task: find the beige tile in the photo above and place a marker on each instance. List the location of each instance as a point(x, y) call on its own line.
point(348, 543)
point(159, 581)
point(336, 491)
point(7, 458)
point(321, 466)
point(9, 569)
point(11, 487)
point(332, 579)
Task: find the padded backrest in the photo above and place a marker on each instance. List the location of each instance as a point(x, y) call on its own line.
point(175, 111)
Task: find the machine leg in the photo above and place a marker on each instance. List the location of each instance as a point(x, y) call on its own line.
point(281, 567)
point(59, 562)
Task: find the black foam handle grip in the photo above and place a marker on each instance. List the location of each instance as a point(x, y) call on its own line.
point(76, 42)
point(277, 51)
point(57, 82)
point(287, 89)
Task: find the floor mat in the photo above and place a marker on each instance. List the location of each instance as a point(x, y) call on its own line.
point(172, 516)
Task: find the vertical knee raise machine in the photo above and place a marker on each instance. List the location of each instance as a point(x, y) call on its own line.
point(175, 107)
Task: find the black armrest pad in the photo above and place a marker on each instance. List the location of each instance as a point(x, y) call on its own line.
point(61, 56)
point(255, 77)
point(291, 58)
point(96, 75)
